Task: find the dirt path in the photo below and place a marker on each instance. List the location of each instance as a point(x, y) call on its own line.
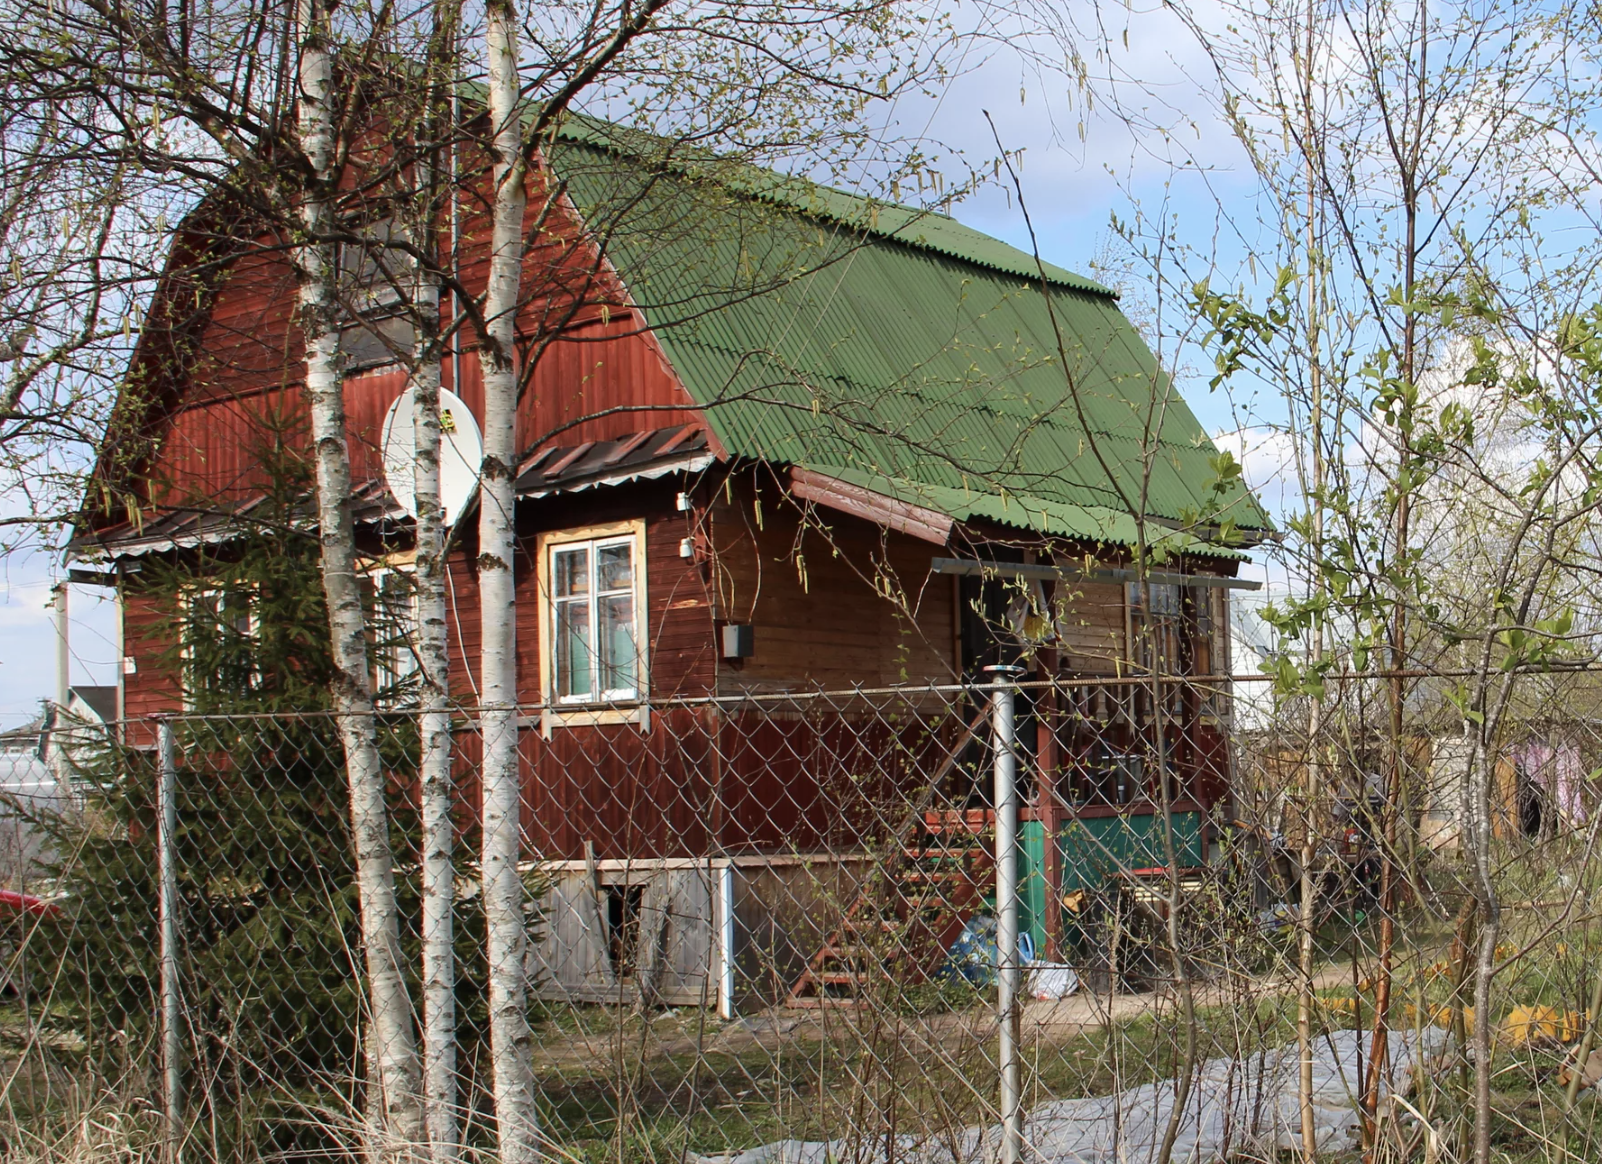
point(681, 1033)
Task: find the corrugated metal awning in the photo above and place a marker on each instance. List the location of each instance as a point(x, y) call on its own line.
point(552, 470)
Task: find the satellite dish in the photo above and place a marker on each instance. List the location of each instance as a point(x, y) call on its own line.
point(461, 453)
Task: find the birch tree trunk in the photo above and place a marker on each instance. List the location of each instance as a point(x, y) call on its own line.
point(394, 1046)
point(440, 1093)
point(510, 1040)
point(439, 829)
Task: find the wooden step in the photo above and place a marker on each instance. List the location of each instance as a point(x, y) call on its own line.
point(938, 877)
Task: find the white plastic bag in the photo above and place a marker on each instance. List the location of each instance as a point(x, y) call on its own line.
point(1049, 981)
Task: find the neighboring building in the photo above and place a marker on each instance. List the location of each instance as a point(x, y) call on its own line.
point(87, 705)
point(72, 733)
point(28, 788)
point(770, 405)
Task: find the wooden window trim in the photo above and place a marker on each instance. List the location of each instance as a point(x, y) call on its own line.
point(635, 711)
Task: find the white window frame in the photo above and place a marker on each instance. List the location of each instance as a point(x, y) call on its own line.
point(607, 706)
point(374, 571)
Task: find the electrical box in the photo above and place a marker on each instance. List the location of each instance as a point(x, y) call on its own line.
point(739, 640)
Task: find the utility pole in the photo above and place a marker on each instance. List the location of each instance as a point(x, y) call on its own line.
point(63, 647)
point(58, 719)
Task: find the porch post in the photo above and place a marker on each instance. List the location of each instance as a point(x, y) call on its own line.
point(1048, 761)
point(1007, 968)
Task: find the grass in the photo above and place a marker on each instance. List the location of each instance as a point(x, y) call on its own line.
point(927, 1079)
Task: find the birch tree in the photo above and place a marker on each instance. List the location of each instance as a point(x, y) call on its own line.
point(394, 1047)
point(511, 1045)
point(437, 791)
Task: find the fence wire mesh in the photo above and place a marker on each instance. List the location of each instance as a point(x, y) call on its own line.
point(765, 928)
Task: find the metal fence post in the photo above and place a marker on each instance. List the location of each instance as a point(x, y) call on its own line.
point(166, 844)
point(1007, 967)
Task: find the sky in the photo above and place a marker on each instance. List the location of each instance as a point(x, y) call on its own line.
point(1073, 187)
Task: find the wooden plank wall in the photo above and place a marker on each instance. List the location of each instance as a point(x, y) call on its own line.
point(810, 594)
point(676, 941)
point(783, 909)
point(210, 449)
point(699, 781)
point(681, 648)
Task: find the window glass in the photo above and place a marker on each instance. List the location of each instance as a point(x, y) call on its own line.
point(373, 273)
point(572, 572)
point(617, 646)
point(614, 566)
point(573, 650)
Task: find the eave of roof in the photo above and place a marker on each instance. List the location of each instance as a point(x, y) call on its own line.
point(1098, 525)
point(637, 457)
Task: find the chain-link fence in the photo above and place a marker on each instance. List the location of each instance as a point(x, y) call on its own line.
point(1008, 921)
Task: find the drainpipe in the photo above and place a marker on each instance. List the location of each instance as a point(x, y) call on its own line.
point(63, 650)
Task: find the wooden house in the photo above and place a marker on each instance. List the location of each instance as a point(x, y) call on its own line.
point(779, 439)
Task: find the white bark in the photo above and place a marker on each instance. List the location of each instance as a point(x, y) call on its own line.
point(439, 830)
point(510, 1040)
point(394, 1046)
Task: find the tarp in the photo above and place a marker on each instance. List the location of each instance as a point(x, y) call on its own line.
point(1234, 1106)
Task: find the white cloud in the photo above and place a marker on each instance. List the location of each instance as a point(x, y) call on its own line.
point(1268, 460)
point(28, 636)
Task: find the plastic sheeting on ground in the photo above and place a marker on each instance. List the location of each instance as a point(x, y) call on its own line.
point(1234, 1106)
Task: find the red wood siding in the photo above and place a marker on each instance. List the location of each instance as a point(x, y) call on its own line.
point(150, 690)
point(704, 781)
point(603, 378)
point(680, 655)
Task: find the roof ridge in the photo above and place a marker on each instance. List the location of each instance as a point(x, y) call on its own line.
point(942, 233)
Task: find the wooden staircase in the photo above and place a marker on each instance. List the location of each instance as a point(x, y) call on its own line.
point(908, 914)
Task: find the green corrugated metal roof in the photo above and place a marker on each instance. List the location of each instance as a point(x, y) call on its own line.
point(834, 339)
point(925, 229)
